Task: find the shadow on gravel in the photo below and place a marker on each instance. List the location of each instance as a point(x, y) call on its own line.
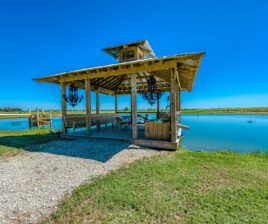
point(95, 149)
point(20, 141)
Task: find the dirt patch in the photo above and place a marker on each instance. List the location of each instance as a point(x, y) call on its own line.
point(33, 183)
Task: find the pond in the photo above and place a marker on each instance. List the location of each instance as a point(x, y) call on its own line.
point(207, 132)
point(233, 132)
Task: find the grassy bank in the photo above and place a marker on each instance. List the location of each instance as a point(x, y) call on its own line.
point(182, 187)
point(249, 110)
point(12, 142)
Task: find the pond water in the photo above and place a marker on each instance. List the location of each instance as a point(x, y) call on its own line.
point(207, 132)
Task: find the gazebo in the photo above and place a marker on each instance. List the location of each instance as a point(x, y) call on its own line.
point(137, 63)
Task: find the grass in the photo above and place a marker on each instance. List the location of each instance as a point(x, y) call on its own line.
point(248, 110)
point(12, 142)
point(181, 187)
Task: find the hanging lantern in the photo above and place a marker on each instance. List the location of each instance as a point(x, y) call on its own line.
point(153, 94)
point(73, 98)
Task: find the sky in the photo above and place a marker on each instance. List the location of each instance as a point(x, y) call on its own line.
point(40, 38)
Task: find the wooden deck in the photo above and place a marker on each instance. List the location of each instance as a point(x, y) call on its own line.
point(123, 134)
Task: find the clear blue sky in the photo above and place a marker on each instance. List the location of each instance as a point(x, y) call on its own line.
point(41, 38)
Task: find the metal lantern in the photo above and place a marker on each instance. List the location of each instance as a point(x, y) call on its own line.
point(73, 98)
point(153, 94)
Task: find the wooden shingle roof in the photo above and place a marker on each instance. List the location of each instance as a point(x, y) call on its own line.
point(115, 78)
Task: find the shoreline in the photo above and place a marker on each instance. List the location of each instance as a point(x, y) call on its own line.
point(183, 113)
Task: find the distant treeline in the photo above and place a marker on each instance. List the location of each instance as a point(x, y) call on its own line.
point(10, 109)
point(247, 109)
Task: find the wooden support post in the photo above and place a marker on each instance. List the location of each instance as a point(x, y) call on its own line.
point(50, 117)
point(178, 104)
point(30, 118)
point(115, 104)
point(98, 105)
point(134, 105)
point(173, 106)
point(178, 98)
point(88, 106)
point(63, 109)
point(43, 113)
point(158, 109)
point(37, 118)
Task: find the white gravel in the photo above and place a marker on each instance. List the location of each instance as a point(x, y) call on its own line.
point(32, 183)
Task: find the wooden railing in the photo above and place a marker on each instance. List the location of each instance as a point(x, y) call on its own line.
point(79, 120)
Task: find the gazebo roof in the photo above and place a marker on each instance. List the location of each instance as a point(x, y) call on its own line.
point(143, 45)
point(115, 78)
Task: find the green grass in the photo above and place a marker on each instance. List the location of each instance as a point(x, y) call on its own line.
point(181, 187)
point(14, 141)
point(250, 110)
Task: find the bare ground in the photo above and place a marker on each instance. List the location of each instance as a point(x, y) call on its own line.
point(33, 183)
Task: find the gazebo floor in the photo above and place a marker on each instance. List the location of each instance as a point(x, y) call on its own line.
point(123, 133)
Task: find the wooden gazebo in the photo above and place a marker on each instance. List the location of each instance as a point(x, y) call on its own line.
point(137, 62)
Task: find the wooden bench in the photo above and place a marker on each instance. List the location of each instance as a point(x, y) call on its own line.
point(79, 120)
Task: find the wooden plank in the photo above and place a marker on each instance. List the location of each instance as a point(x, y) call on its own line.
point(141, 67)
point(134, 105)
point(165, 145)
point(88, 106)
point(183, 126)
point(173, 106)
point(63, 108)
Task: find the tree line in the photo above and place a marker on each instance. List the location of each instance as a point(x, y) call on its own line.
point(10, 109)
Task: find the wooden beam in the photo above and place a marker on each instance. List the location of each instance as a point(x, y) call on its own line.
point(196, 71)
point(173, 106)
point(63, 108)
point(81, 85)
point(177, 76)
point(140, 67)
point(178, 98)
point(97, 102)
point(88, 106)
point(134, 105)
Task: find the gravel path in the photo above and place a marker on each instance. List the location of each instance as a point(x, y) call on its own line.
point(32, 183)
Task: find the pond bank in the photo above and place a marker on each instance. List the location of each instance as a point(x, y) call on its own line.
point(178, 187)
